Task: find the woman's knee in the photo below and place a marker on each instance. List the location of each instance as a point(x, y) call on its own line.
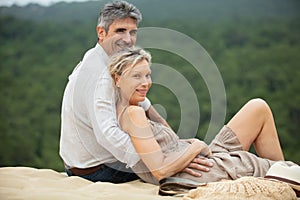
point(259, 105)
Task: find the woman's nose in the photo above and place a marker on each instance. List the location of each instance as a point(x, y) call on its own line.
point(146, 81)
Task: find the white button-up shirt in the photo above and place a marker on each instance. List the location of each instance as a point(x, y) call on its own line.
point(90, 134)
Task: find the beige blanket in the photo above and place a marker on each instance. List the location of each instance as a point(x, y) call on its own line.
point(45, 184)
point(24, 183)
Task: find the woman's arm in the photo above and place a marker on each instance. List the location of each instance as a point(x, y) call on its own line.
point(134, 122)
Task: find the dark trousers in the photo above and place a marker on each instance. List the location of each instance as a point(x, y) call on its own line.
point(113, 172)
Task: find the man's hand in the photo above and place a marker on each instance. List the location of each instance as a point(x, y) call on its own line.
point(200, 163)
point(205, 151)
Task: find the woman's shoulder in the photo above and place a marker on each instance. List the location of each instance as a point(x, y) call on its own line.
point(135, 111)
point(134, 115)
point(133, 108)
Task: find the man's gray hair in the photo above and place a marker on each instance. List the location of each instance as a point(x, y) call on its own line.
point(117, 10)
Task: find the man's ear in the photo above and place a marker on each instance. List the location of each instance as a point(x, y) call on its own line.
point(100, 33)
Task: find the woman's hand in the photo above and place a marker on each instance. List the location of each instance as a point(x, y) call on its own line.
point(199, 163)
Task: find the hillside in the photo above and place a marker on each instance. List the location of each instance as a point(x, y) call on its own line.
point(255, 45)
point(153, 10)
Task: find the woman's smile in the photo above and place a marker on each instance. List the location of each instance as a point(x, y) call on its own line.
point(143, 91)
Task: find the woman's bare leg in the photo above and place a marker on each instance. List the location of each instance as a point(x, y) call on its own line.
point(254, 124)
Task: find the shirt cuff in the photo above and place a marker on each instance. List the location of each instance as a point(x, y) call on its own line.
point(132, 158)
point(145, 104)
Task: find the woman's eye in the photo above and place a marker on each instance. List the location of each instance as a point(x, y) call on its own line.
point(136, 76)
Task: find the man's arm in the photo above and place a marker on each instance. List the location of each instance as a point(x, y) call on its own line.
point(102, 113)
point(111, 137)
point(153, 115)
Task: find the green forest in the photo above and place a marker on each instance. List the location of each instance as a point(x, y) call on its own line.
point(255, 45)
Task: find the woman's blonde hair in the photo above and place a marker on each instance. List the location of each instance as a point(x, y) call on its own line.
point(126, 59)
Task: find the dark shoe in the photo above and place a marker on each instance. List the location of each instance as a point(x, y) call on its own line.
point(174, 186)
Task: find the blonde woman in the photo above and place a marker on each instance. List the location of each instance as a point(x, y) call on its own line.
point(163, 154)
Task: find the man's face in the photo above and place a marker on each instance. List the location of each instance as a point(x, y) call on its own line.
point(121, 34)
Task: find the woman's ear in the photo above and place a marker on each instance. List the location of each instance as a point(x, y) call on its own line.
point(117, 80)
point(100, 33)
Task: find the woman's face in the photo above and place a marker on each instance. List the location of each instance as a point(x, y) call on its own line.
point(135, 82)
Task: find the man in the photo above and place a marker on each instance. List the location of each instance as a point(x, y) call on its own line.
point(92, 145)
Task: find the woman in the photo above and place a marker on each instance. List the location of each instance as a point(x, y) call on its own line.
point(163, 154)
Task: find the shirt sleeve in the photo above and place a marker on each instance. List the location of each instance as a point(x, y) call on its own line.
point(105, 124)
point(145, 104)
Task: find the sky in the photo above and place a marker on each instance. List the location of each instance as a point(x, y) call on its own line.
point(25, 2)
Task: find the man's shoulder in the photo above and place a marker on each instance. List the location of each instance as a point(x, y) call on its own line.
point(96, 52)
point(95, 58)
